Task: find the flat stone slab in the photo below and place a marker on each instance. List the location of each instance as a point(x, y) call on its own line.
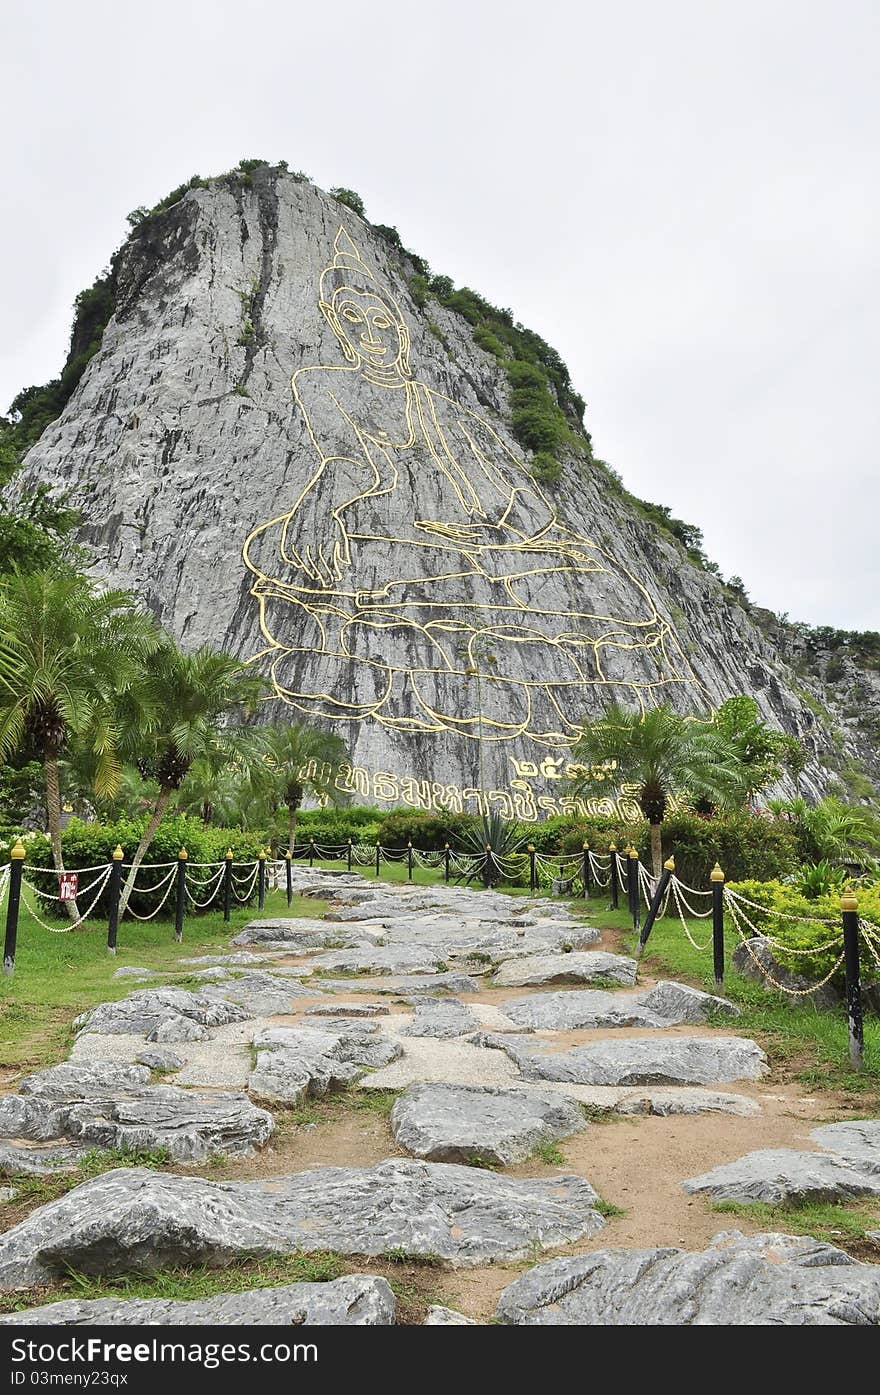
point(381, 959)
point(758, 1280)
point(296, 935)
point(39, 1159)
point(637, 1061)
point(295, 1062)
point(359, 1300)
point(573, 1008)
point(784, 1174)
point(160, 1058)
point(138, 1221)
point(857, 1141)
point(578, 967)
point(667, 1004)
point(681, 1005)
point(105, 1105)
point(157, 1013)
point(455, 1123)
point(444, 1018)
point(348, 1010)
point(453, 982)
point(262, 995)
point(663, 1101)
point(438, 1316)
point(456, 1062)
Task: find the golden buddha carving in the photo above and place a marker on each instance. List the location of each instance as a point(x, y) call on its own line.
point(420, 577)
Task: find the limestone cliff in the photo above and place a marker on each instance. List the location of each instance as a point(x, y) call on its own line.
point(290, 450)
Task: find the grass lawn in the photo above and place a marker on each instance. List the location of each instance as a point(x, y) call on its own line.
point(58, 976)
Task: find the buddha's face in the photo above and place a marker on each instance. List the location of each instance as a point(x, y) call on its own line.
point(369, 327)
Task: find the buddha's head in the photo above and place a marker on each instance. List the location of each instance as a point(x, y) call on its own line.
point(364, 315)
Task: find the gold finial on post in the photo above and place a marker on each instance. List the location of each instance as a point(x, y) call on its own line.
point(849, 901)
point(117, 853)
point(16, 852)
point(669, 864)
point(229, 854)
point(716, 875)
point(183, 854)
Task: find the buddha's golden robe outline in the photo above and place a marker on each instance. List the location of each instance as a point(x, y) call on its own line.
point(441, 646)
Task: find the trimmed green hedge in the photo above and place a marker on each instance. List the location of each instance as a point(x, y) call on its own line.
point(91, 844)
point(781, 901)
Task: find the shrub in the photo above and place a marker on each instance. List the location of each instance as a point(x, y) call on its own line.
point(427, 831)
point(822, 926)
point(350, 199)
point(92, 844)
point(418, 289)
point(546, 468)
point(488, 341)
point(329, 826)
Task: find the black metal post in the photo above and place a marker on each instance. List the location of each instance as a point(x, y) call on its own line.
point(16, 867)
point(181, 895)
point(634, 886)
point(446, 862)
point(115, 888)
point(261, 879)
point(409, 861)
point(288, 877)
point(586, 870)
point(227, 887)
point(378, 858)
point(716, 877)
point(349, 854)
point(311, 852)
point(850, 909)
point(656, 903)
point(615, 879)
point(533, 871)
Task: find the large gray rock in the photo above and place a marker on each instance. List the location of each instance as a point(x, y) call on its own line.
point(857, 1141)
point(77, 1080)
point(190, 1124)
point(101, 1104)
point(147, 1010)
point(784, 1174)
point(438, 1316)
point(443, 1018)
point(453, 982)
point(571, 1009)
point(348, 1010)
point(455, 1123)
point(679, 1004)
point(637, 1061)
point(358, 1300)
point(382, 959)
point(579, 967)
point(296, 935)
point(136, 1221)
point(758, 1280)
point(39, 1159)
point(294, 1062)
point(160, 1058)
point(199, 390)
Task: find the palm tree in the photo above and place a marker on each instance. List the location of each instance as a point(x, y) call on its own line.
point(180, 718)
point(662, 753)
point(299, 760)
point(70, 653)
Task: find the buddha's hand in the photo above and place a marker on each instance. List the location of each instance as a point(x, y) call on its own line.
point(324, 559)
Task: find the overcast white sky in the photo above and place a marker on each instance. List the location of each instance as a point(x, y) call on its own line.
point(680, 195)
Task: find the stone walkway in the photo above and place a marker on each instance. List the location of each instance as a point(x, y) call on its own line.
point(509, 1029)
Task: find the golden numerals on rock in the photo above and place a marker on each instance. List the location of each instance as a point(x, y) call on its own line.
point(420, 577)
